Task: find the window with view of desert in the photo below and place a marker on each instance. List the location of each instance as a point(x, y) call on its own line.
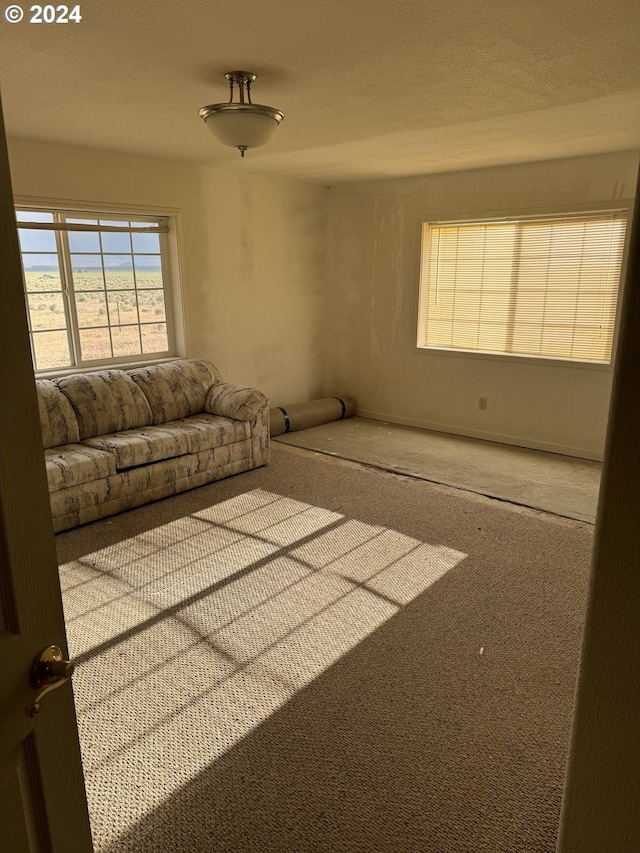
point(92, 295)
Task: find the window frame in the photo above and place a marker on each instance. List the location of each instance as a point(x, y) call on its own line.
point(170, 270)
point(621, 206)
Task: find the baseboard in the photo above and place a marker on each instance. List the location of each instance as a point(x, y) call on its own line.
point(517, 441)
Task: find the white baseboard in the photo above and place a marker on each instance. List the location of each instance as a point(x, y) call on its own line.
point(517, 441)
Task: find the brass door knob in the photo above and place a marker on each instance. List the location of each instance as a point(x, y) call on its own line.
point(49, 671)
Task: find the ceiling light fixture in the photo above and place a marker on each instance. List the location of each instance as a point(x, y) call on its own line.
point(241, 124)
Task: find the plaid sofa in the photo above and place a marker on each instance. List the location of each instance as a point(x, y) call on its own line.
point(117, 439)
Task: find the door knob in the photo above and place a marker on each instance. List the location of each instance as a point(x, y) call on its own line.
point(49, 671)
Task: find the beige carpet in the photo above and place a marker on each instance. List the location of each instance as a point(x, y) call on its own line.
point(317, 656)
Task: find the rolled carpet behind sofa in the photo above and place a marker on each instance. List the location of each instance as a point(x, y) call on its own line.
point(304, 415)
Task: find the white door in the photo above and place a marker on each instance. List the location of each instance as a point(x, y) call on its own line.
point(43, 806)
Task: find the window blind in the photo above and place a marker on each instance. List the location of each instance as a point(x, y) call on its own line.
point(545, 287)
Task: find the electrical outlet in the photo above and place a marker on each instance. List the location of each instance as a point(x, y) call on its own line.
point(482, 404)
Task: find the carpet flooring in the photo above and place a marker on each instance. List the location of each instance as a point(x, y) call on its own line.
point(319, 656)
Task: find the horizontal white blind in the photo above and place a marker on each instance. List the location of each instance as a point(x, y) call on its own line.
point(537, 287)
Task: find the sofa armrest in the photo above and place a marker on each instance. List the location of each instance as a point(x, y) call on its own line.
point(235, 401)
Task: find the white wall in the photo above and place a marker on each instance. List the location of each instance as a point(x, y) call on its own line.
point(261, 302)
point(252, 255)
point(261, 295)
point(375, 253)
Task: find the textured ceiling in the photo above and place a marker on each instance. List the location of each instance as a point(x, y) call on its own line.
point(369, 89)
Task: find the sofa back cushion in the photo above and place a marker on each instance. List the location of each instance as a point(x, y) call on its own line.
point(57, 418)
point(105, 402)
point(177, 389)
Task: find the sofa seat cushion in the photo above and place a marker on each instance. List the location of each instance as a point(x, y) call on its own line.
point(75, 464)
point(137, 486)
point(135, 447)
point(205, 431)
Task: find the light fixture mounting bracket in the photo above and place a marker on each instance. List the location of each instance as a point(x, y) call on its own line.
point(243, 80)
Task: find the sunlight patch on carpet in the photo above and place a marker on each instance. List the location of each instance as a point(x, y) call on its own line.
point(190, 635)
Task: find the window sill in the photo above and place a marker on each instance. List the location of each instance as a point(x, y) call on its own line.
point(515, 359)
point(94, 368)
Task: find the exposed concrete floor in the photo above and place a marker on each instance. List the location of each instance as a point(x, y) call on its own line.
point(547, 481)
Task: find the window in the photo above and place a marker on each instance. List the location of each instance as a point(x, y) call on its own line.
point(544, 287)
point(96, 287)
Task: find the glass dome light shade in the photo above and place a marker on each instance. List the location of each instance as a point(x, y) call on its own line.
point(241, 125)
